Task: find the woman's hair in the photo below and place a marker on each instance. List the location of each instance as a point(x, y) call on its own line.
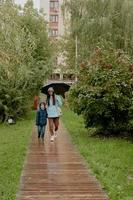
point(48, 98)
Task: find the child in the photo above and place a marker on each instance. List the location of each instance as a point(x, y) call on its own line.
point(41, 120)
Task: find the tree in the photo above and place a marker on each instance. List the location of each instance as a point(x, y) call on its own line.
point(103, 93)
point(25, 57)
point(99, 22)
point(34, 22)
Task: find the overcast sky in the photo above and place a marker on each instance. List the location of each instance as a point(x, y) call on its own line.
point(36, 2)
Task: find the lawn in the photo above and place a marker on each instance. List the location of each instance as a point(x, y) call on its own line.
point(14, 140)
point(111, 160)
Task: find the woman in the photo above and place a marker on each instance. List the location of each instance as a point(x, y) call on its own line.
point(53, 109)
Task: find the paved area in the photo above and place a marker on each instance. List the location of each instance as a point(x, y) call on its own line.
point(56, 171)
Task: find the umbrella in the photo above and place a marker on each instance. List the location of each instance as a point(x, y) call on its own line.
point(59, 88)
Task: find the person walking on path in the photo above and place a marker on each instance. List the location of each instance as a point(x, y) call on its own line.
point(41, 120)
point(53, 109)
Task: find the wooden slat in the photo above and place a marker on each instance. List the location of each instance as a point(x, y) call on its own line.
point(56, 171)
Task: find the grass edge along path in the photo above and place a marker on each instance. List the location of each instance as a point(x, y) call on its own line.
point(110, 159)
point(14, 140)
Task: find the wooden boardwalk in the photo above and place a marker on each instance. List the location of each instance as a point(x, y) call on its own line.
point(56, 171)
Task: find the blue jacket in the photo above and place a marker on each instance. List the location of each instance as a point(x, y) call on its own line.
point(41, 117)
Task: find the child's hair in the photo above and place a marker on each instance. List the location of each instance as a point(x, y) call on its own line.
point(42, 103)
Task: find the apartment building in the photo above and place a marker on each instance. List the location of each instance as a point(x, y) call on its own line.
point(57, 27)
point(52, 9)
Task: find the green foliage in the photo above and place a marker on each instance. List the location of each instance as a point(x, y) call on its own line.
point(96, 22)
point(25, 56)
point(104, 92)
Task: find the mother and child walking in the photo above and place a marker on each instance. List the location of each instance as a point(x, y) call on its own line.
point(51, 110)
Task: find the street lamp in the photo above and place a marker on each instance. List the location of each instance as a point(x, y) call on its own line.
point(76, 58)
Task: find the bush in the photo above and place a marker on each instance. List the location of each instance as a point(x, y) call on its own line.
point(104, 92)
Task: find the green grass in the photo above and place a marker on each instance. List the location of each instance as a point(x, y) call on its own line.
point(111, 160)
point(14, 140)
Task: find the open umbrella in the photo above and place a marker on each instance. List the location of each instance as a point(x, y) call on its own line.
point(59, 88)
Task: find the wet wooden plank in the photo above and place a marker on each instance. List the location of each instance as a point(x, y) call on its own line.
point(56, 171)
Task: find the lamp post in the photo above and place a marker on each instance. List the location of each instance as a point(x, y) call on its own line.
point(76, 58)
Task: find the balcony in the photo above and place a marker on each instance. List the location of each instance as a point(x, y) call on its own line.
point(54, 6)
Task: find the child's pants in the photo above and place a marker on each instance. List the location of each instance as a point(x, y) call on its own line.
point(41, 131)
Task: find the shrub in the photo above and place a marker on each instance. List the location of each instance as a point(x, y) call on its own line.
point(104, 92)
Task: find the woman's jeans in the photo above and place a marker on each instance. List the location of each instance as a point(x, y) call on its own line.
point(41, 131)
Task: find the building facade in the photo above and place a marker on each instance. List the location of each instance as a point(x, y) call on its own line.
point(53, 14)
point(57, 28)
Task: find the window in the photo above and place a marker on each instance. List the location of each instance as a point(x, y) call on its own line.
point(53, 18)
point(53, 32)
point(54, 4)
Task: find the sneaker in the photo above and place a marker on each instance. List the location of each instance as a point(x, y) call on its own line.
point(52, 138)
point(56, 134)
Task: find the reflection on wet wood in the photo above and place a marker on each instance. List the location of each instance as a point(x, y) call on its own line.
point(56, 171)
